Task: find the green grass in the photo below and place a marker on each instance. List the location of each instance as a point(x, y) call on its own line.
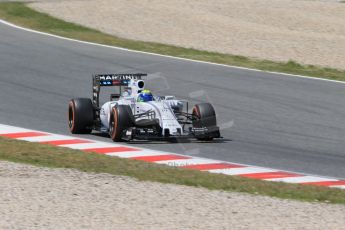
point(50, 156)
point(20, 14)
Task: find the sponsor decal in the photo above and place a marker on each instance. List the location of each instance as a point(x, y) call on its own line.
point(112, 77)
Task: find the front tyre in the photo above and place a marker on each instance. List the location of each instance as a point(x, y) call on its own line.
point(80, 116)
point(121, 118)
point(204, 116)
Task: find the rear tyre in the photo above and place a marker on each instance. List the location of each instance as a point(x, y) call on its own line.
point(204, 116)
point(121, 118)
point(80, 116)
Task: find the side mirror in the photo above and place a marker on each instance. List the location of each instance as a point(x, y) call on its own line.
point(141, 85)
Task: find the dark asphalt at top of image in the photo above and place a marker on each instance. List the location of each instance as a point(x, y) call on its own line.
point(266, 119)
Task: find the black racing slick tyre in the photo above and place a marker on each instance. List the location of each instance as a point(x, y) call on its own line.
point(80, 116)
point(121, 118)
point(204, 116)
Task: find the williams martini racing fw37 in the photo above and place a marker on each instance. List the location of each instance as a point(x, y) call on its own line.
point(134, 113)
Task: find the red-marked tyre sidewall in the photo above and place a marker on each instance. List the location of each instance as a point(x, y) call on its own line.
point(204, 116)
point(71, 117)
point(114, 123)
point(80, 115)
point(121, 118)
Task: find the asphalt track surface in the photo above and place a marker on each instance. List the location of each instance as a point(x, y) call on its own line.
point(269, 120)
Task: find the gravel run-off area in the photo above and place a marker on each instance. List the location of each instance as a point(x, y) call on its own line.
point(45, 198)
point(309, 32)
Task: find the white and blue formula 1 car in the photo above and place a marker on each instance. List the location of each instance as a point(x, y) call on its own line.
point(134, 113)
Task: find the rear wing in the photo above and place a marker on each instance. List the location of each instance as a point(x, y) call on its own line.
point(100, 80)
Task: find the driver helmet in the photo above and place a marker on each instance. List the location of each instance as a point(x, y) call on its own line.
point(145, 96)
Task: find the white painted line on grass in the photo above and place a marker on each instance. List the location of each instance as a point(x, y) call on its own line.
point(337, 186)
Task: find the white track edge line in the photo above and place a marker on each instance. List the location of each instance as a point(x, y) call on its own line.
point(301, 179)
point(242, 171)
point(162, 55)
